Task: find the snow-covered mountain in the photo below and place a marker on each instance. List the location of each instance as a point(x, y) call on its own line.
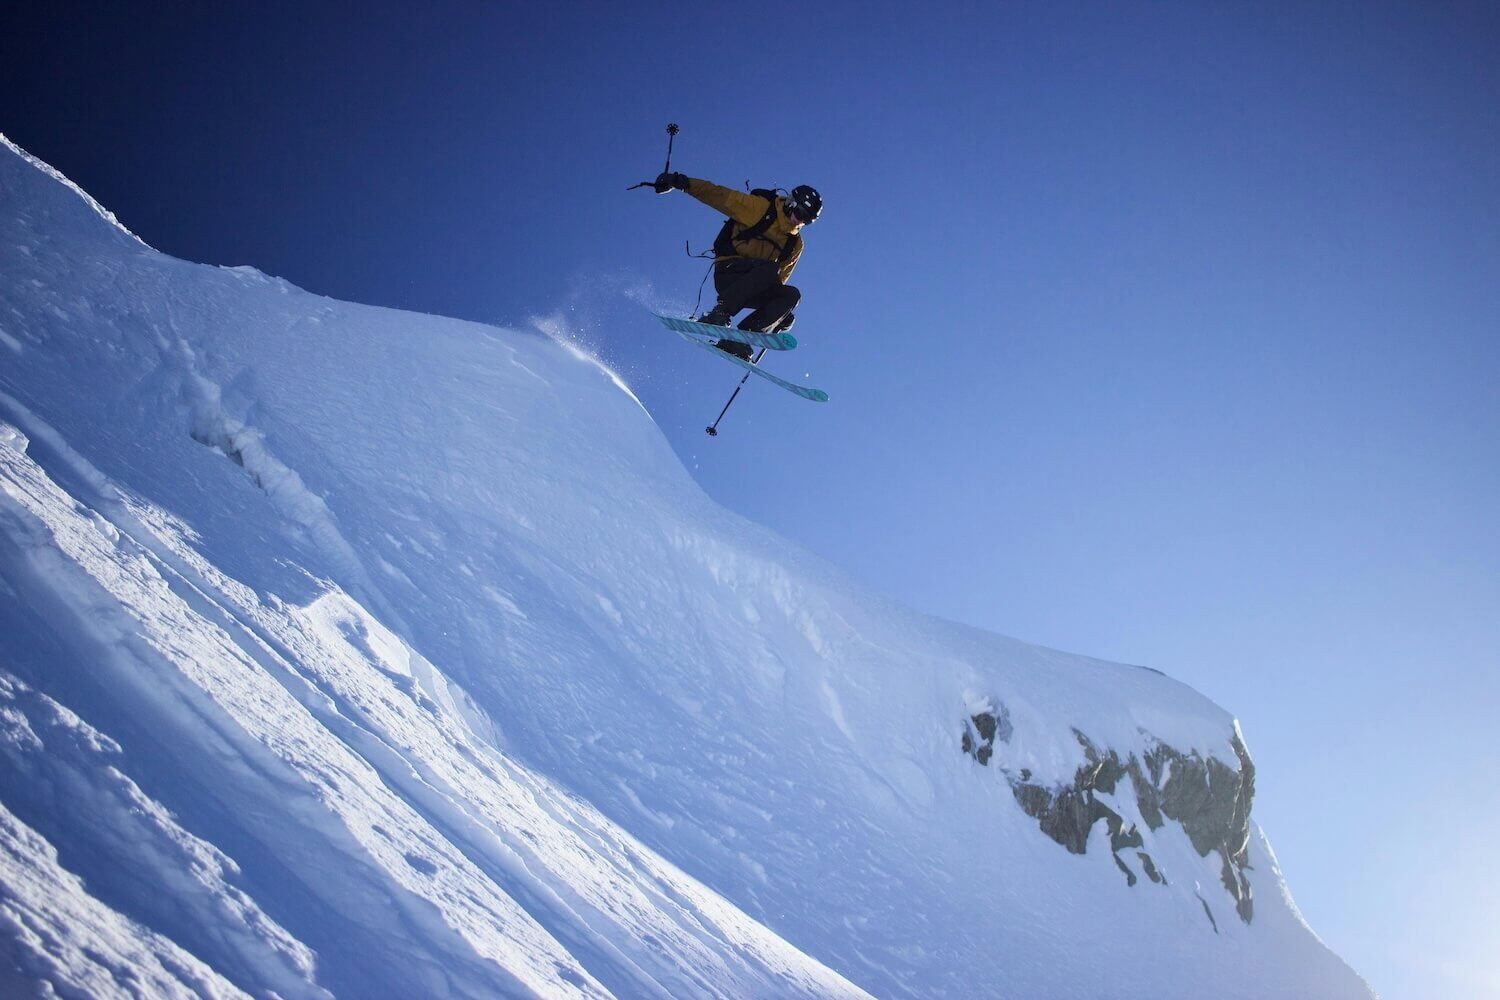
point(351, 652)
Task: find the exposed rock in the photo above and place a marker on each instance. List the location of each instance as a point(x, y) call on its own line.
point(1209, 913)
point(1212, 802)
point(1238, 884)
point(1207, 797)
point(981, 731)
point(979, 737)
point(1150, 868)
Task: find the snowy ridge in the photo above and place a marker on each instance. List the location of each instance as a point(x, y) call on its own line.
point(82, 195)
point(402, 657)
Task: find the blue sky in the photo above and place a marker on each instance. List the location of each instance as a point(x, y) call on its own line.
point(1164, 333)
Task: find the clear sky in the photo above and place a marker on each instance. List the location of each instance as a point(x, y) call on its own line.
point(1168, 333)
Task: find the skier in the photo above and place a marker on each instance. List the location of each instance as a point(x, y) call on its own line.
point(754, 253)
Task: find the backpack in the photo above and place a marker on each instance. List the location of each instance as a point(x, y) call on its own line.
point(724, 243)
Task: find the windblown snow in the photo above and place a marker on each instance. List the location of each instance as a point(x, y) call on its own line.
point(350, 652)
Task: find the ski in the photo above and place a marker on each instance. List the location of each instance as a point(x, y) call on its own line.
point(806, 392)
point(770, 341)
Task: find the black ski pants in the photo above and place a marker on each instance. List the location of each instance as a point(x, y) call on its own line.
point(754, 284)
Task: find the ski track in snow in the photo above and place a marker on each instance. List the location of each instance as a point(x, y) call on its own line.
point(349, 652)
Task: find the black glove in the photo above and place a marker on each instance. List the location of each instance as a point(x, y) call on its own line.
point(668, 182)
point(786, 322)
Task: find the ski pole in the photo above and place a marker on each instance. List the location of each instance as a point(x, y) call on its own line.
point(671, 135)
point(713, 429)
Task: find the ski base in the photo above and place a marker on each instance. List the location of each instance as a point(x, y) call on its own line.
point(770, 341)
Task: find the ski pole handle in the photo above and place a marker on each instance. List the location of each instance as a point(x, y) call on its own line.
point(671, 134)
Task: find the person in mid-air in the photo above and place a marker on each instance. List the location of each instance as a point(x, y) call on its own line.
point(754, 253)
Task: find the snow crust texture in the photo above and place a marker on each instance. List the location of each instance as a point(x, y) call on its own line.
point(346, 652)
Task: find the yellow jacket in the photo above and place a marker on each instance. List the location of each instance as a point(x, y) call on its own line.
point(779, 242)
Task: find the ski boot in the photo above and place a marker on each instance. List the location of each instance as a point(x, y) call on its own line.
point(739, 350)
point(717, 316)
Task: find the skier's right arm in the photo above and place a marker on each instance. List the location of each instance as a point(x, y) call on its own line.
point(746, 209)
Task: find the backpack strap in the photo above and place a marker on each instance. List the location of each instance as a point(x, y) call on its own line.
point(724, 243)
point(793, 242)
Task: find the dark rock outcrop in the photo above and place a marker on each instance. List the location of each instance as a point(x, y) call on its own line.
point(1149, 867)
point(979, 737)
point(982, 730)
point(1207, 797)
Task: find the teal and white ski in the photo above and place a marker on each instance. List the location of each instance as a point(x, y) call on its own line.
point(770, 341)
point(806, 392)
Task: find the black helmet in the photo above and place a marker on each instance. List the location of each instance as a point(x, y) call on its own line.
point(807, 202)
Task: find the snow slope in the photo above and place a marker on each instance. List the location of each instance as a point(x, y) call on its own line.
point(346, 651)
